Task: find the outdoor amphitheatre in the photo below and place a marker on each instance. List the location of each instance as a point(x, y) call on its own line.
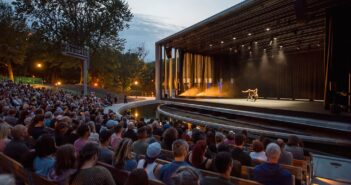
point(256, 94)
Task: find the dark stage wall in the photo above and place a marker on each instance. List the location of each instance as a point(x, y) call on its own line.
point(294, 76)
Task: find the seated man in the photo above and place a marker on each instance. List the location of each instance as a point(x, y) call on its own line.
point(270, 173)
point(224, 164)
point(180, 150)
point(17, 148)
point(238, 152)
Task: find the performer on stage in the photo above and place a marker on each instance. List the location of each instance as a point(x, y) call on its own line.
point(251, 94)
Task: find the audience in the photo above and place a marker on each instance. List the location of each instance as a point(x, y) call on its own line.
point(140, 145)
point(223, 164)
point(137, 177)
point(64, 165)
point(285, 156)
point(105, 154)
point(270, 173)
point(258, 151)
point(186, 175)
point(83, 133)
point(4, 134)
point(238, 152)
point(197, 156)
point(116, 137)
point(87, 172)
point(45, 149)
point(56, 116)
point(180, 150)
point(17, 148)
point(149, 163)
point(169, 136)
point(123, 158)
point(294, 147)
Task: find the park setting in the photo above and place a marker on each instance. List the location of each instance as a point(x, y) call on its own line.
point(186, 92)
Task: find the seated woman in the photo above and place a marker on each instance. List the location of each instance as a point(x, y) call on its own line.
point(123, 158)
point(148, 164)
point(294, 147)
point(65, 164)
point(258, 151)
point(87, 171)
point(84, 132)
point(45, 149)
point(197, 156)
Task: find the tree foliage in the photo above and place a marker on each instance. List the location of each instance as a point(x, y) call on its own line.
point(13, 39)
point(91, 23)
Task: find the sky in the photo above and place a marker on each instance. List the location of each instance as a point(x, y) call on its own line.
point(156, 19)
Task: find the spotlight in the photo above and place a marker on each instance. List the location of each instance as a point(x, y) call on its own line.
point(267, 29)
point(249, 34)
point(222, 42)
point(234, 38)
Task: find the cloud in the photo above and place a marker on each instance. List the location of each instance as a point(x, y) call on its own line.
point(147, 29)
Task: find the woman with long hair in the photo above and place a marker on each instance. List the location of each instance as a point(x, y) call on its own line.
point(169, 136)
point(197, 156)
point(45, 149)
point(4, 133)
point(123, 158)
point(87, 172)
point(65, 164)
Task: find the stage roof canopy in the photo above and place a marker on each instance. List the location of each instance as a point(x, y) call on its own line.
point(296, 25)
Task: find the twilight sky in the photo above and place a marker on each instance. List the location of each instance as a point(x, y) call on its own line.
point(157, 19)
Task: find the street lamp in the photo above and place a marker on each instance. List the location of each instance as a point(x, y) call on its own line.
point(136, 82)
point(39, 65)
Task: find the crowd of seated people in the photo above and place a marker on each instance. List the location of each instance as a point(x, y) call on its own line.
point(61, 137)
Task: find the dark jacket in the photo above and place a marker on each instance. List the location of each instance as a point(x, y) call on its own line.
point(272, 174)
point(239, 155)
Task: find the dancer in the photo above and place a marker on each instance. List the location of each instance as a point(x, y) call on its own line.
point(252, 94)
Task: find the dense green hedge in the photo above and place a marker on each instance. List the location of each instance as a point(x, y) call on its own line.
point(24, 79)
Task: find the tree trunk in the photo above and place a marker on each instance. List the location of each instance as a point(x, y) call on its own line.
point(81, 74)
point(9, 68)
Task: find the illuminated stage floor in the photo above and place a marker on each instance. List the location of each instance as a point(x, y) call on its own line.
point(289, 107)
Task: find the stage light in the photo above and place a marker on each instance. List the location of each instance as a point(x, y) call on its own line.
point(222, 42)
point(267, 29)
point(234, 38)
point(249, 34)
point(136, 82)
point(242, 45)
point(96, 84)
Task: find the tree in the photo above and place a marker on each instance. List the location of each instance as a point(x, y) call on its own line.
point(14, 35)
point(91, 23)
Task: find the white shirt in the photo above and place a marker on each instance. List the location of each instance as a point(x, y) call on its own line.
point(258, 155)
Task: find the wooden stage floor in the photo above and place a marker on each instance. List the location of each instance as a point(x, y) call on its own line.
point(288, 107)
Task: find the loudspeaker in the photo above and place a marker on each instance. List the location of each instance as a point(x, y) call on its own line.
point(300, 11)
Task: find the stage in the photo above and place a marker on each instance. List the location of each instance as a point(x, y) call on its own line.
point(297, 108)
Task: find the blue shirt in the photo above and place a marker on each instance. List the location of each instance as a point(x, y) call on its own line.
point(272, 174)
point(42, 165)
point(168, 170)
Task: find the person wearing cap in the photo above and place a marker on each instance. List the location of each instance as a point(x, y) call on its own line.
point(149, 163)
point(271, 172)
